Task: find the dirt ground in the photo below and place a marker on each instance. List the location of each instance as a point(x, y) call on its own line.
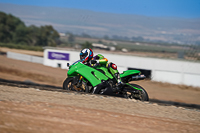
point(32, 110)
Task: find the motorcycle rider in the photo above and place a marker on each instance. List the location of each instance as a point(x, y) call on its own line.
point(86, 56)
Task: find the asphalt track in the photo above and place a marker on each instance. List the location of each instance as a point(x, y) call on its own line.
point(29, 84)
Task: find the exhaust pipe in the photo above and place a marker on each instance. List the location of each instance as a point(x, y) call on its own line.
point(138, 77)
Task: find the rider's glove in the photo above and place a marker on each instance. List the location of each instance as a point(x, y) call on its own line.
point(93, 61)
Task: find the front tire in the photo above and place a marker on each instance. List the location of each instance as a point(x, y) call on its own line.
point(68, 85)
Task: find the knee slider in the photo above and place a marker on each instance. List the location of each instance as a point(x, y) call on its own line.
point(112, 65)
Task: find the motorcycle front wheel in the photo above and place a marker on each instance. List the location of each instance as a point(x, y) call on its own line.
point(68, 85)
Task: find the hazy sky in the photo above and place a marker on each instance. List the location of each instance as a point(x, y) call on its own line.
point(166, 8)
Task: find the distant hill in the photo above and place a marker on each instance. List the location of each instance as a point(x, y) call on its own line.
point(79, 21)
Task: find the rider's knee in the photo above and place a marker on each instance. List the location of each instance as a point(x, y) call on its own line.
point(111, 65)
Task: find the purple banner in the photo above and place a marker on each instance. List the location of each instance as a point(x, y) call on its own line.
point(58, 56)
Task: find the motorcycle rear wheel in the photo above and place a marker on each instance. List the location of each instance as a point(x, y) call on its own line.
point(133, 93)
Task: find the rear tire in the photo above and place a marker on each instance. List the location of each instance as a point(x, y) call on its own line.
point(133, 93)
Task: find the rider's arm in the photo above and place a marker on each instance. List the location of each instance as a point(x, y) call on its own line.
point(102, 61)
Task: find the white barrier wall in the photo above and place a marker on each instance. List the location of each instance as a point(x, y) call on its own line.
point(24, 57)
point(163, 70)
point(52, 58)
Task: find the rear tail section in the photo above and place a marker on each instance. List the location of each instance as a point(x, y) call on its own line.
point(131, 75)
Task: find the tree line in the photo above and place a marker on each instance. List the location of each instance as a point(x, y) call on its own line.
point(13, 30)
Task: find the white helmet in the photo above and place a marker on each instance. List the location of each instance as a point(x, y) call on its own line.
point(86, 55)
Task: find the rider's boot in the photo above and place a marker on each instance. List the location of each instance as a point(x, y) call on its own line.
point(119, 85)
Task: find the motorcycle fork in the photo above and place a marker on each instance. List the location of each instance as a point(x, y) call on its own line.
point(79, 81)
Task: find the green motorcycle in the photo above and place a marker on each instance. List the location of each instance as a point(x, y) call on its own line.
point(98, 80)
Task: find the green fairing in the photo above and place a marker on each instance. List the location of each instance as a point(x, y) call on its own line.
point(88, 72)
point(113, 72)
point(105, 70)
point(129, 72)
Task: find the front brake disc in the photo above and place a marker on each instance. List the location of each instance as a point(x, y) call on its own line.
point(76, 88)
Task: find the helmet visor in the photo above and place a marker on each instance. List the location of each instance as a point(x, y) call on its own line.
point(83, 55)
